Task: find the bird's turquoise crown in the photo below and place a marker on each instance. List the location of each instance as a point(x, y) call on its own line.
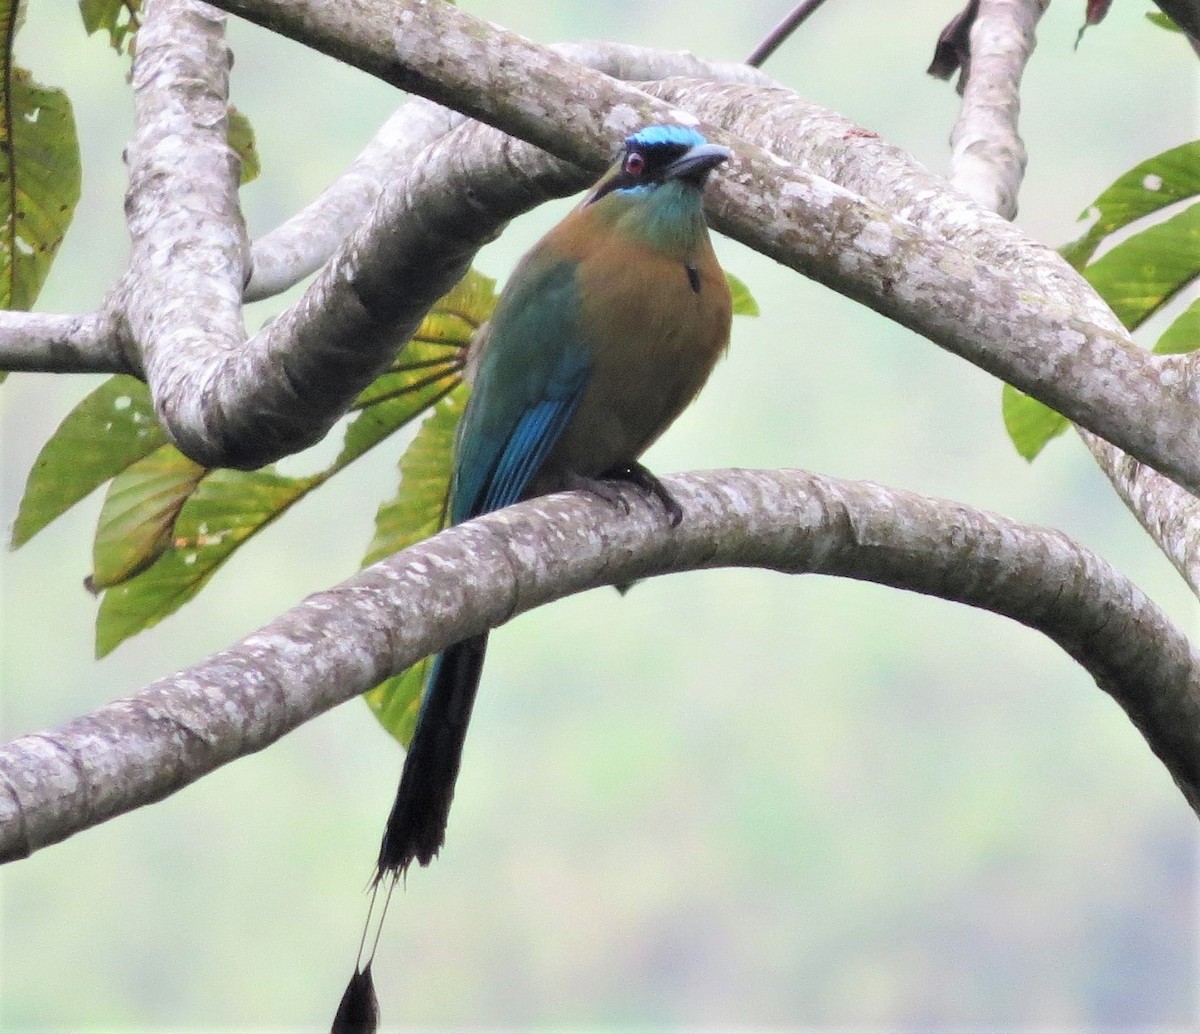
point(658, 136)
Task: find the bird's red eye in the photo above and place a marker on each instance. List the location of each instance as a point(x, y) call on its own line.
point(635, 163)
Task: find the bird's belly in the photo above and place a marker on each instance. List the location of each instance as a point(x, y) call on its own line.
point(649, 360)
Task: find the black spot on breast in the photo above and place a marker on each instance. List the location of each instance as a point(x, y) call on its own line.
point(693, 276)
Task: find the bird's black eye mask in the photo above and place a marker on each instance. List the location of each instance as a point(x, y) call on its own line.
point(642, 165)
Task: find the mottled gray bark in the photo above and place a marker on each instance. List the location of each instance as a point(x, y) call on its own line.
point(832, 146)
point(260, 400)
point(339, 643)
point(303, 244)
point(987, 154)
point(807, 188)
point(979, 306)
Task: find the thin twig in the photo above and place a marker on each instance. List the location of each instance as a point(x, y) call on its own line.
point(782, 31)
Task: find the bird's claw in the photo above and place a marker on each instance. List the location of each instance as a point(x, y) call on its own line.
point(598, 486)
point(642, 479)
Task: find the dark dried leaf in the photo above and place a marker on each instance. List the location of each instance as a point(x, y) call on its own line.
point(953, 50)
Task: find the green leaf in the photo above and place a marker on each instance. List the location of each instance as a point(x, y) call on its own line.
point(1143, 272)
point(1136, 277)
point(1162, 21)
point(416, 512)
point(39, 184)
point(396, 702)
point(119, 18)
point(427, 368)
point(1145, 189)
point(417, 509)
point(110, 429)
point(241, 138)
point(226, 508)
point(1030, 423)
point(390, 412)
point(220, 510)
point(1184, 334)
point(138, 516)
point(743, 301)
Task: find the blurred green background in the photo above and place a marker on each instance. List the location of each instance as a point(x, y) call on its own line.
point(730, 800)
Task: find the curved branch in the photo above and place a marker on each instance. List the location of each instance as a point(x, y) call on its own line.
point(988, 157)
point(302, 244)
point(181, 299)
point(339, 643)
point(299, 374)
point(1091, 373)
point(834, 147)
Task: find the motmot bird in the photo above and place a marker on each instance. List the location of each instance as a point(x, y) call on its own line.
point(605, 331)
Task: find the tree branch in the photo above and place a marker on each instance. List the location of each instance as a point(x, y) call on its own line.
point(302, 244)
point(305, 242)
point(1092, 374)
point(832, 146)
point(41, 342)
point(181, 298)
point(339, 643)
point(988, 156)
point(774, 39)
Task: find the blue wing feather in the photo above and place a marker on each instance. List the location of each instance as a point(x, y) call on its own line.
point(531, 378)
point(531, 441)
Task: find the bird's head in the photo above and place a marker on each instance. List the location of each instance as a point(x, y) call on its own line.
point(661, 154)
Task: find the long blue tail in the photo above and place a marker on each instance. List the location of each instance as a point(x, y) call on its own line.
point(416, 826)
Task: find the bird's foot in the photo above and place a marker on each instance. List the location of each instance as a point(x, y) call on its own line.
point(642, 479)
point(597, 486)
point(636, 475)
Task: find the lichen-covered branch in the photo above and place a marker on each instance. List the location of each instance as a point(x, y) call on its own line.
point(832, 146)
point(182, 297)
point(1091, 373)
point(305, 242)
point(302, 244)
point(34, 342)
point(987, 153)
point(339, 643)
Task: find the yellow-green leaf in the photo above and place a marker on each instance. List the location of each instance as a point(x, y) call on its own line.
point(743, 301)
point(1147, 188)
point(119, 18)
point(241, 138)
point(418, 507)
point(226, 508)
point(138, 517)
point(396, 702)
point(1183, 335)
point(1145, 271)
point(1030, 423)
